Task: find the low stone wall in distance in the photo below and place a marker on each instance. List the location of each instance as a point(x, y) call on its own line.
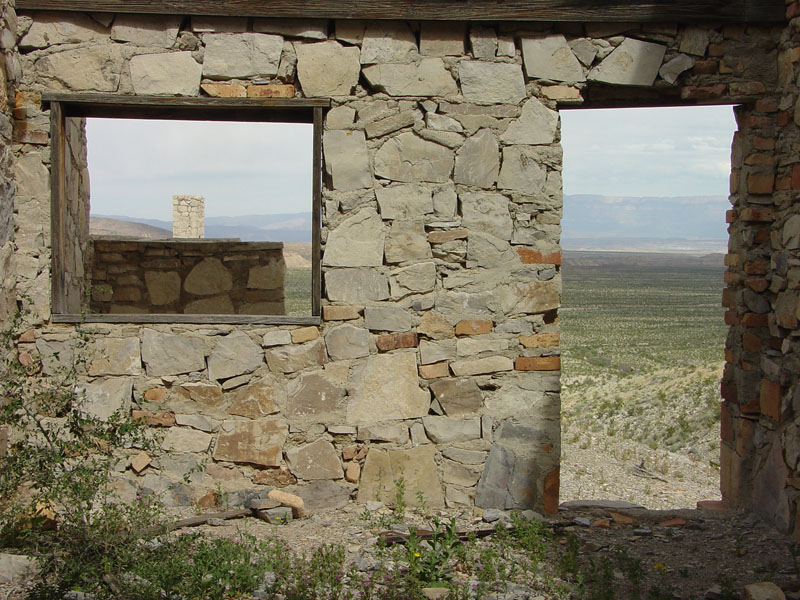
point(209, 276)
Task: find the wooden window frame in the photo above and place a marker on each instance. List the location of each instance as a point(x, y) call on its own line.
point(64, 106)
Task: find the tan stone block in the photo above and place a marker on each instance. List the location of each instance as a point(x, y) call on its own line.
point(209, 500)
point(538, 363)
point(256, 442)
point(474, 327)
point(352, 472)
point(481, 366)
point(277, 477)
point(333, 312)
point(540, 340)
point(447, 235)
point(154, 419)
point(564, 93)
point(155, 394)
point(757, 214)
point(140, 461)
point(349, 452)
point(304, 334)
point(272, 90)
point(294, 502)
point(434, 370)
point(760, 183)
point(224, 90)
point(393, 341)
point(28, 336)
point(25, 98)
point(435, 326)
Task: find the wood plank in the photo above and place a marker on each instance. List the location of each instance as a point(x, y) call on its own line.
point(57, 210)
point(461, 10)
point(316, 217)
point(187, 319)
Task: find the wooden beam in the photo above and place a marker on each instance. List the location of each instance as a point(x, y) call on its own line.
point(681, 11)
point(58, 201)
point(175, 319)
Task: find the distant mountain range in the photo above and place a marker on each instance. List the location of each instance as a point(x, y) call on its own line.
point(689, 224)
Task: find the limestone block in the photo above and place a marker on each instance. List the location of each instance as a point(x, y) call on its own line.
point(673, 68)
point(769, 493)
point(116, 356)
point(528, 395)
point(317, 460)
point(357, 242)
point(216, 305)
point(521, 170)
point(327, 68)
point(550, 57)
point(255, 442)
point(388, 42)
point(445, 201)
point(491, 82)
point(457, 474)
point(356, 286)
point(386, 388)
point(267, 277)
point(442, 123)
point(415, 466)
point(487, 213)
point(458, 397)
point(346, 160)
point(484, 250)
point(763, 590)
point(235, 354)
point(241, 55)
point(445, 430)
point(694, 40)
point(442, 38)
point(88, 69)
point(472, 346)
point(202, 24)
point(404, 201)
point(209, 394)
point(537, 124)
point(53, 29)
point(584, 50)
point(507, 481)
point(173, 73)
point(346, 342)
point(478, 160)
point(276, 338)
point(310, 29)
point(57, 357)
point(103, 398)
point(288, 359)
point(208, 277)
point(435, 326)
point(163, 287)
point(528, 297)
point(387, 318)
point(407, 241)
point(32, 176)
point(391, 124)
point(341, 117)
point(199, 422)
point(483, 41)
point(146, 30)
point(481, 366)
point(633, 62)
point(434, 352)
point(416, 279)
point(350, 31)
point(384, 433)
point(427, 78)
point(465, 457)
point(168, 354)
point(790, 234)
point(180, 439)
point(258, 399)
point(409, 158)
point(315, 398)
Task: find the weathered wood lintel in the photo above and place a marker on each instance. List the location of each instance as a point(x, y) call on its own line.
point(682, 11)
point(175, 319)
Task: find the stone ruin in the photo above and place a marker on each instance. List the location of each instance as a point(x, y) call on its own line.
point(433, 352)
point(188, 216)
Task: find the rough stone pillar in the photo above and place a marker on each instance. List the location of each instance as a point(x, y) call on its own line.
point(8, 75)
point(188, 216)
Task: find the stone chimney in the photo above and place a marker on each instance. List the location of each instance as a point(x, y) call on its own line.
point(188, 216)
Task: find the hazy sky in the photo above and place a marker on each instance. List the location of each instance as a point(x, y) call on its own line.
point(262, 168)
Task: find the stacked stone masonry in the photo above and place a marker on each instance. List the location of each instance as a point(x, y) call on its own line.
point(223, 277)
point(437, 357)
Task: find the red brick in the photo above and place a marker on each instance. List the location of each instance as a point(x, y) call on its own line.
point(751, 407)
point(532, 257)
point(224, 90)
point(761, 183)
point(702, 92)
point(332, 312)
point(763, 143)
point(540, 340)
point(705, 67)
point(762, 235)
point(766, 105)
point(474, 327)
point(757, 284)
point(792, 10)
point(716, 49)
point(728, 392)
point(731, 317)
point(783, 183)
point(155, 394)
point(784, 118)
point(747, 366)
point(759, 159)
point(711, 505)
point(154, 419)
point(747, 88)
point(731, 216)
point(728, 298)
point(796, 177)
point(770, 399)
point(552, 483)
point(762, 121)
point(760, 214)
point(725, 423)
point(754, 320)
point(729, 355)
point(271, 90)
point(537, 363)
point(751, 342)
point(756, 267)
point(434, 370)
point(393, 341)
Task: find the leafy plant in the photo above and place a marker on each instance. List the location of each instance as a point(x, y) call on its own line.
point(428, 560)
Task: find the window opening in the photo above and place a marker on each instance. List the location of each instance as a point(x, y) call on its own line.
point(641, 322)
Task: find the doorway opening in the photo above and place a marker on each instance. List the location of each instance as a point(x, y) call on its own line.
point(642, 330)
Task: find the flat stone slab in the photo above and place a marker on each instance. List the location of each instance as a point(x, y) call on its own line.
point(428, 78)
point(241, 55)
point(346, 160)
point(234, 355)
point(357, 242)
point(255, 442)
point(550, 57)
point(609, 504)
point(409, 158)
point(417, 468)
point(491, 82)
point(633, 62)
point(173, 73)
point(327, 68)
point(317, 460)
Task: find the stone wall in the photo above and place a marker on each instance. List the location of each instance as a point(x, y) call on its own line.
point(437, 357)
point(192, 277)
point(9, 71)
point(188, 216)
